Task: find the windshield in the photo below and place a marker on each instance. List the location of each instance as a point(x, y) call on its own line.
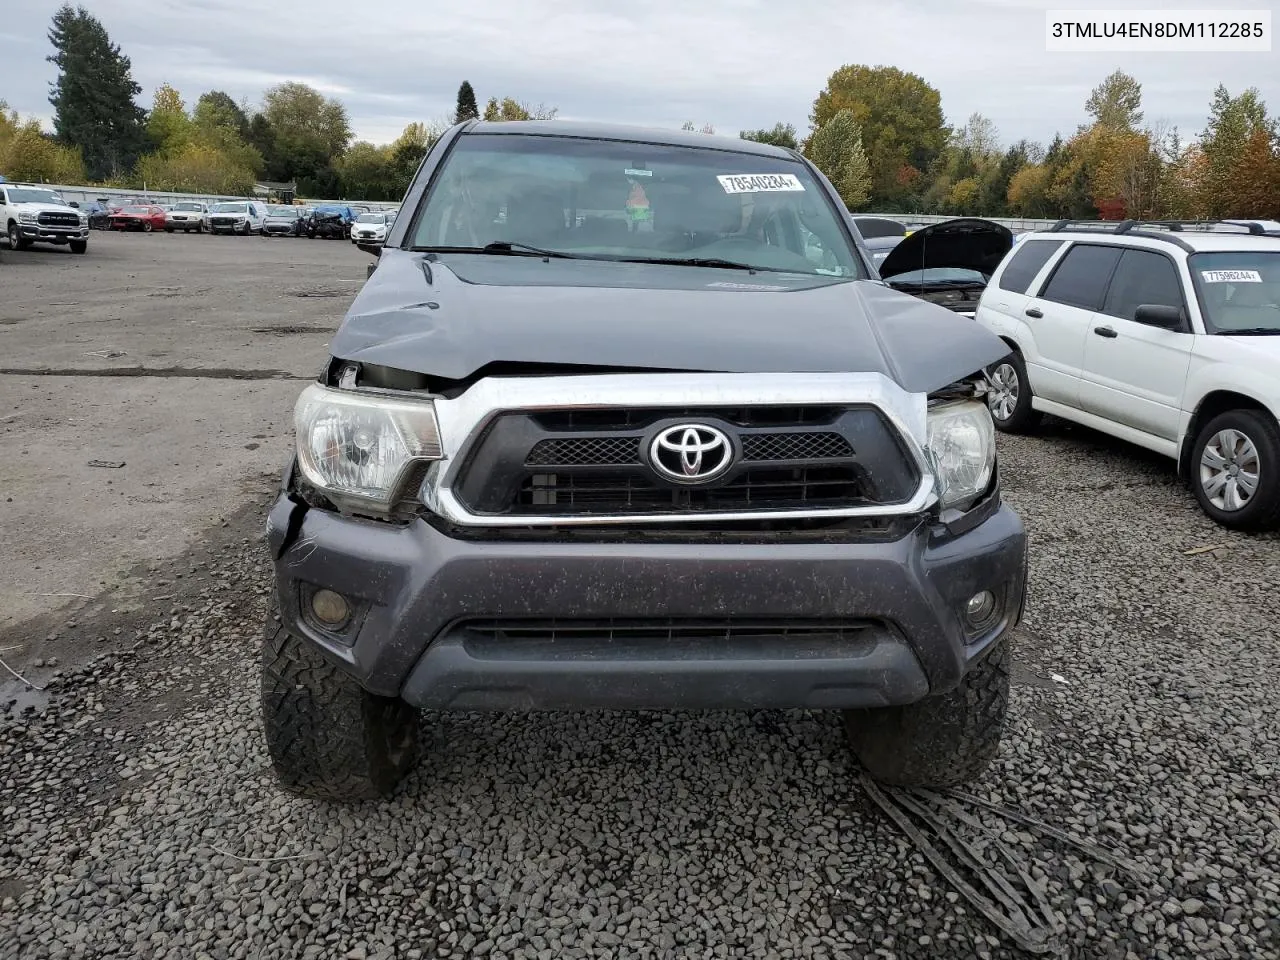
point(187, 206)
point(230, 208)
point(289, 212)
point(1238, 290)
point(32, 195)
point(934, 275)
point(137, 209)
point(601, 199)
point(371, 218)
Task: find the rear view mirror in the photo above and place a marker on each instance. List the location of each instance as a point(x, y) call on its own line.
point(1159, 315)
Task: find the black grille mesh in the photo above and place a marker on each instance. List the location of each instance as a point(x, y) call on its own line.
point(765, 447)
point(667, 628)
point(585, 451)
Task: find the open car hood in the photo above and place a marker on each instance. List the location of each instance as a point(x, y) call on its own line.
point(967, 243)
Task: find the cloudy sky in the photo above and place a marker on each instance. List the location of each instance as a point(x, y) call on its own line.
point(732, 63)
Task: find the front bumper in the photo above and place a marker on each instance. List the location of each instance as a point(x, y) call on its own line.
point(413, 586)
point(40, 234)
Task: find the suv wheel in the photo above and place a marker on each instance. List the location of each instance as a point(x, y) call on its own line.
point(329, 738)
point(941, 741)
point(1236, 470)
point(1009, 395)
point(16, 241)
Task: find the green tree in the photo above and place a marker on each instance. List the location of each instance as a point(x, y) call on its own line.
point(216, 109)
point(406, 153)
point(168, 125)
point(836, 149)
point(900, 116)
point(1233, 121)
point(508, 108)
point(781, 135)
point(26, 153)
point(367, 173)
point(92, 98)
point(466, 108)
point(301, 113)
point(1116, 102)
point(195, 168)
point(1028, 194)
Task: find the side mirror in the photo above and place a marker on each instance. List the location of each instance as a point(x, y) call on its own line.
point(1160, 315)
point(74, 204)
point(373, 249)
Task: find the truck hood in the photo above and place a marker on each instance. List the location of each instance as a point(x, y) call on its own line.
point(43, 208)
point(451, 316)
point(967, 243)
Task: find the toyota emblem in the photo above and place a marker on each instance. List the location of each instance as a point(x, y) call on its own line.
point(691, 453)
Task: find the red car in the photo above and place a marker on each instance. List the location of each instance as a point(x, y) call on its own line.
point(145, 217)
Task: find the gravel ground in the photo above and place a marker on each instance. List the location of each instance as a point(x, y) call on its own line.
point(139, 817)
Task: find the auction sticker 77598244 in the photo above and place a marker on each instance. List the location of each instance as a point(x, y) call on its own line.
point(1231, 276)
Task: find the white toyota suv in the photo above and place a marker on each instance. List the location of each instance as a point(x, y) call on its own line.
point(1163, 334)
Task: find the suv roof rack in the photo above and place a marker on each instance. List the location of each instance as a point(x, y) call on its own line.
point(1175, 226)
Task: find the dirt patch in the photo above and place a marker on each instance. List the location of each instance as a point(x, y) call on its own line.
point(292, 329)
point(320, 293)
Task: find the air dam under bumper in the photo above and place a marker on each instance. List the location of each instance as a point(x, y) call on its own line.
point(418, 596)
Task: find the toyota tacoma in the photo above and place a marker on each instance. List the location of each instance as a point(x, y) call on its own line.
point(623, 419)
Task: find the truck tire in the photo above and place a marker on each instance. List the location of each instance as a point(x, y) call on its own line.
point(16, 240)
point(1009, 395)
point(941, 741)
point(79, 246)
point(168, 229)
point(330, 739)
point(1248, 441)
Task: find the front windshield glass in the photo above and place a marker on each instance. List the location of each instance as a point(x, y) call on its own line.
point(283, 212)
point(137, 209)
point(230, 208)
point(615, 200)
point(371, 218)
point(187, 206)
point(1238, 290)
point(34, 195)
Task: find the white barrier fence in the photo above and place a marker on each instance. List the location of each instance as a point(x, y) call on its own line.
point(82, 194)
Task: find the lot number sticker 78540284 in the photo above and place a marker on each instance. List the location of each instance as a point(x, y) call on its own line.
point(1231, 276)
point(760, 182)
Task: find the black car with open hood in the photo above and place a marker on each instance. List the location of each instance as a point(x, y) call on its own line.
point(948, 263)
point(624, 419)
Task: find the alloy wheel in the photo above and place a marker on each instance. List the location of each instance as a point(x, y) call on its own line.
point(1002, 395)
point(1229, 470)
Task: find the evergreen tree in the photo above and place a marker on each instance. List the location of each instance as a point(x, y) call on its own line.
point(93, 96)
point(467, 108)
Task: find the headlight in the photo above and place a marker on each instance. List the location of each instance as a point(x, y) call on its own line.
point(26, 218)
point(961, 448)
point(359, 445)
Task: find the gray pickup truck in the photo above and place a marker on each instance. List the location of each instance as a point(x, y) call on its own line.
point(624, 419)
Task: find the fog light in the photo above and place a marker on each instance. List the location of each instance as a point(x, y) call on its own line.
point(980, 607)
point(330, 608)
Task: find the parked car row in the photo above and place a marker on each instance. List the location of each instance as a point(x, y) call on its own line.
point(1165, 334)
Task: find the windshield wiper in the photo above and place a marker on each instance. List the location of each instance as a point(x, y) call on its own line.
point(511, 248)
point(694, 262)
point(1250, 332)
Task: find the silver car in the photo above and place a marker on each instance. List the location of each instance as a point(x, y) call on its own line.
point(187, 215)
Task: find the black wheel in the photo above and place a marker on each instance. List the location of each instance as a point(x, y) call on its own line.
point(16, 241)
point(146, 226)
point(941, 741)
point(1235, 470)
point(79, 246)
point(330, 739)
point(168, 229)
point(1009, 395)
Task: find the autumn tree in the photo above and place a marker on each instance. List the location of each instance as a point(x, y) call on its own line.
point(92, 98)
point(1028, 193)
point(168, 125)
point(195, 167)
point(466, 108)
point(836, 149)
point(1256, 193)
point(1233, 124)
point(900, 118)
point(26, 153)
point(780, 135)
point(1116, 102)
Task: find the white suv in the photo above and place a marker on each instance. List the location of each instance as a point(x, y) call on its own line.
point(1163, 334)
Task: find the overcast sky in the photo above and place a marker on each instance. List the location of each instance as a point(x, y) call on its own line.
point(732, 63)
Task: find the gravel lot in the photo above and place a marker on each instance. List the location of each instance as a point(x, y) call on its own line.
point(138, 816)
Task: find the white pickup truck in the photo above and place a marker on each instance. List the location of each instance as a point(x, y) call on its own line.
point(31, 214)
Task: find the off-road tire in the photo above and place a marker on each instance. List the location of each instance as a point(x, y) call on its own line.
point(1262, 512)
point(330, 739)
point(1023, 419)
point(79, 246)
point(941, 741)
